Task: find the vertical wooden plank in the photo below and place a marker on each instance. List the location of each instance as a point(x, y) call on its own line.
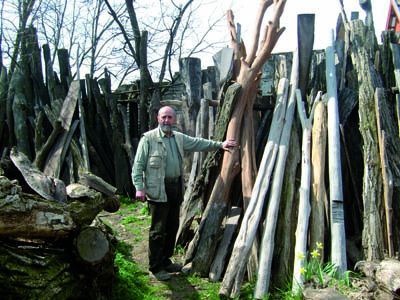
point(231, 224)
point(190, 69)
point(368, 80)
point(305, 37)
point(318, 192)
point(338, 236)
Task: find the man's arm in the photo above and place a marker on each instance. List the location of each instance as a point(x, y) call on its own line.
point(200, 144)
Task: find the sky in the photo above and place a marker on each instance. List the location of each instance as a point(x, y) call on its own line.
point(326, 14)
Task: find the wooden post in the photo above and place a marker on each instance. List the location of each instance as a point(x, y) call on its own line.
point(55, 157)
point(65, 69)
point(82, 121)
point(338, 236)
point(398, 113)
point(284, 250)
point(386, 171)
point(231, 224)
point(50, 78)
point(253, 212)
point(20, 109)
point(304, 192)
point(190, 69)
point(268, 239)
point(368, 80)
point(318, 190)
point(305, 32)
point(3, 102)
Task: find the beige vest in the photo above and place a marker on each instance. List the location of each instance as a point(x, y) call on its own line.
point(155, 167)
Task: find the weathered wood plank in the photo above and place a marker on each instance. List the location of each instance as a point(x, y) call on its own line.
point(48, 187)
point(387, 176)
point(231, 224)
point(304, 195)
point(368, 80)
point(223, 61)
point(190, 69)
point(268, 237)
point(97, 183)
point(3, 101)
point(318, 189)
point(55, 157)
point(20, 108)
point(338, 235)
point(305, 36)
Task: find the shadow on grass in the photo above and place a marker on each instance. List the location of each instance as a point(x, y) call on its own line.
point(133, 283)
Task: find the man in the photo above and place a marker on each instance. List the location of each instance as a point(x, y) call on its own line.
point(157, 177)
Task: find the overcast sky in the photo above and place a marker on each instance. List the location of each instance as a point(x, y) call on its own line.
point(326, 13)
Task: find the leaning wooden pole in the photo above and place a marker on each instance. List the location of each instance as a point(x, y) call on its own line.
point(304, 194)
point(268, 239)
point(387, 176)
point(253, 211)
point(338, 236)
point(318, 190)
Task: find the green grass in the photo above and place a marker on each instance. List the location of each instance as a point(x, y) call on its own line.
point(131, 283)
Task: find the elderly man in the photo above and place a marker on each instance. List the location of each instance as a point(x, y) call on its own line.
point(157, 177)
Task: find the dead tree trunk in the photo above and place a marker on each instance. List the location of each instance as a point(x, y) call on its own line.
point(253, 212)
point(368, 80)
point(248, 79)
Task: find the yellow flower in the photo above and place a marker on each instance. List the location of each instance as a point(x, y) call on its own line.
point(315, 253)
point(320, 245)
point(300, 255)
point(302, 271)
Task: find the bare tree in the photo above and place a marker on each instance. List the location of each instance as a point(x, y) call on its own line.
point(165, 31)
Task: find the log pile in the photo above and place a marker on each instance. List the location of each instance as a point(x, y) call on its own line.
point(51, 249)
point(56, 175)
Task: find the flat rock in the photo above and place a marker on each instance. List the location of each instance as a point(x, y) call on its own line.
point(323, 294)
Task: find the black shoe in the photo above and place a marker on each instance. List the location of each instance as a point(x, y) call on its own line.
point(161, 275)
point(173, 268)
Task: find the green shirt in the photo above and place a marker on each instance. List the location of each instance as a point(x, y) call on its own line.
point(165, 153)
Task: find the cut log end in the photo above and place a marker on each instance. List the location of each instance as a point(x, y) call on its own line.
point(92, 245)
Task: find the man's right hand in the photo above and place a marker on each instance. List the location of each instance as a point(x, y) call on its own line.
point(141, 196)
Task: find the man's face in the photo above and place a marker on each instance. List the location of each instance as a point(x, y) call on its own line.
point(166, 118)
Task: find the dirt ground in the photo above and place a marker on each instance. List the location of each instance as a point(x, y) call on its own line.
point(135, 234)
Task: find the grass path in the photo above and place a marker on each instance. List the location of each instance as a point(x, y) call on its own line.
point(130, 225)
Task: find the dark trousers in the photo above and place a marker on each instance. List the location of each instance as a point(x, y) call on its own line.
point(164, 226)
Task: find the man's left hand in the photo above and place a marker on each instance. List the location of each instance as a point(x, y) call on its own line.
point(228, 145)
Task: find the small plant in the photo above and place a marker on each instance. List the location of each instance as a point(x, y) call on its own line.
point(321, 275)
point(314, 270)
point(179, 250)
